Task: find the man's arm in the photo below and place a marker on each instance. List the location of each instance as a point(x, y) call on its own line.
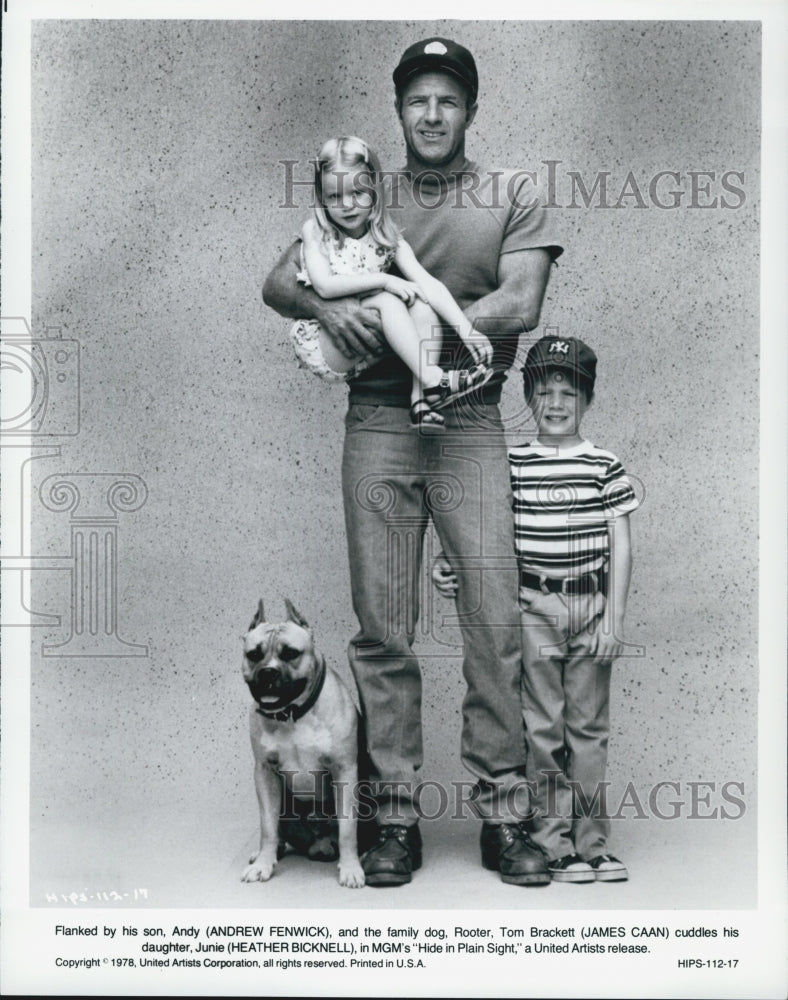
point(354, 329)
point(515, 305)
point(438, 296)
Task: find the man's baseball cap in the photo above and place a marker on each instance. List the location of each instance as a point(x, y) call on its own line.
point(438, 54)
point(554, 353)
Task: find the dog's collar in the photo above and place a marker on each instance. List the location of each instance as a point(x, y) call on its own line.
point(297, 710)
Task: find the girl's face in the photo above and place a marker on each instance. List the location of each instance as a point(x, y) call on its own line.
point(348, 198)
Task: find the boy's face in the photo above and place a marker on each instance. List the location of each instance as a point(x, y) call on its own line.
point(558, 408)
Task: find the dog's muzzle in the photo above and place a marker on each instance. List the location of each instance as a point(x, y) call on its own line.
point(271, 691)
point(279, 701)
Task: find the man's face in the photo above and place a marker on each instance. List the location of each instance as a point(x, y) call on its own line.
point(434, 115)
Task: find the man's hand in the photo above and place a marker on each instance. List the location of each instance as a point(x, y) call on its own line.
point(479, 348)
point(443, 577)
point(353, 328)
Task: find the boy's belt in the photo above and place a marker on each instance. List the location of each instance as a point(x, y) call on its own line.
point(588, 583)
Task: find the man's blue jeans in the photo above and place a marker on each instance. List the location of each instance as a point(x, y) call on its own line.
point(395, 479)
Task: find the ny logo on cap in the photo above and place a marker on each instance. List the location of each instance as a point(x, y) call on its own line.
point(558, 347)
point(435, 49)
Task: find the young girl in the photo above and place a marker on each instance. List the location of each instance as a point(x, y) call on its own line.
point(347, 248)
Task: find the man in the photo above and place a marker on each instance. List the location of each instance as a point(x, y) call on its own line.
point(483, 234)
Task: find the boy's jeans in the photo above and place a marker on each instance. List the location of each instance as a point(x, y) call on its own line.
point(394, 478)
point(566, 705)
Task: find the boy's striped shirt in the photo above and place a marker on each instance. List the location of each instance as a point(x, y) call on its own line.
point(563, 500)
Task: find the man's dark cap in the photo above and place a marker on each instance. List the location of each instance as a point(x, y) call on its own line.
point(438, 54)
point(556, 353)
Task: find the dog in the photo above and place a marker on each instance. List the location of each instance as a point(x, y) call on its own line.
point(305, 734)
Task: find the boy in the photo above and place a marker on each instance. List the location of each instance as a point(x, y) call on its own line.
point(571, 509)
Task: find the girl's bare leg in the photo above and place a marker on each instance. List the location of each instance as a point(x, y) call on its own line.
point(430, 336)
point(334, 358)
point(403, 336)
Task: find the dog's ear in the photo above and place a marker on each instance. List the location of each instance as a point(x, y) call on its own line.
point(259, 615)
point(295, 616)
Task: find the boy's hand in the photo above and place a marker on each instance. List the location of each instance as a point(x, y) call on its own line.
point(443, 577)
point(608, 645)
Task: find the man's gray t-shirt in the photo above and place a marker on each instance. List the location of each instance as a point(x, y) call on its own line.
point(459, 229)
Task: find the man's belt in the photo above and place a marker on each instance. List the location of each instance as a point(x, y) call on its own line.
point(588, 583)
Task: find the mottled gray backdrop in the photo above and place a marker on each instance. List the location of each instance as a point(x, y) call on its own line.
point(157, 210)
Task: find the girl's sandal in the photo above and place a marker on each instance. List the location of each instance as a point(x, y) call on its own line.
point(456, 384)
point(425, 418)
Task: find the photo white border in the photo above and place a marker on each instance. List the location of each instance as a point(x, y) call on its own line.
point(26, 944)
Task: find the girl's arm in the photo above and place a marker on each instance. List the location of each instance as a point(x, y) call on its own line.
point(435, 293)
point(326, 284)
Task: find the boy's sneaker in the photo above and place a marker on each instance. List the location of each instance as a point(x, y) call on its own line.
point(571, 868)
point(607, 868)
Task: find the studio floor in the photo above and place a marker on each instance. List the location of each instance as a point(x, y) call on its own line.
point(195, 861)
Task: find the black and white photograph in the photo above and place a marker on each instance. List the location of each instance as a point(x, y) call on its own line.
point(393, 473)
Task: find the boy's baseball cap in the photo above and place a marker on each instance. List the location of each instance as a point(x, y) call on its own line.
point(438, 54)
point(551, 353)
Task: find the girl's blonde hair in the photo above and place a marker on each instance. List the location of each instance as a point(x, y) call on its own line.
point(350, 151)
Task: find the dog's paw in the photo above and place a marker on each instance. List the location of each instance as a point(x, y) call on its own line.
point(259, 869)
point(351, 874)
